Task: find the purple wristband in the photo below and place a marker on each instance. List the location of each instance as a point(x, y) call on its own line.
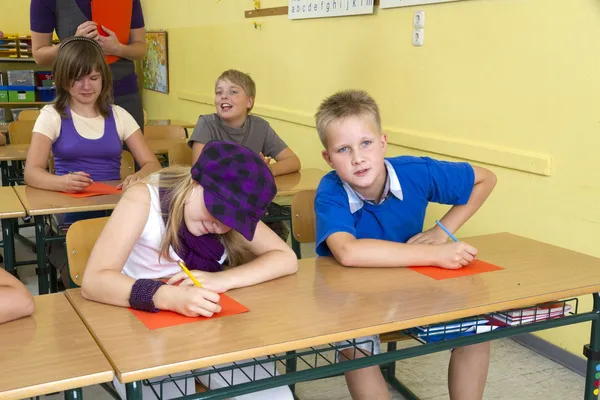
point(142, 293)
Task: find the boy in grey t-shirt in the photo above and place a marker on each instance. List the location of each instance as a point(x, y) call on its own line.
point(234, 98)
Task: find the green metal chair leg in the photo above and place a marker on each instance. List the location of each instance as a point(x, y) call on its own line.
point(40, 248)
point(133, 390)
point(8, 242)
point(592, 353)
point(75, 394)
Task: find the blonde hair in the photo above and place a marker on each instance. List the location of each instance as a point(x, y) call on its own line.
point(178, 181)
point(79, 57)
point(241, 79)
point(344, 104)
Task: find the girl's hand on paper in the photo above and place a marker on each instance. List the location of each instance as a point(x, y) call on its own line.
point(188, 301)
point(74, 182)
point(88, 29)
point(213, 281)
point(433, 235)
point(454, 255)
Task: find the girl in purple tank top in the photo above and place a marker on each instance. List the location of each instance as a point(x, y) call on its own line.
point(83, 129)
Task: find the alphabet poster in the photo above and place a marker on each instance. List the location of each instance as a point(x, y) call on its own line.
point(302, 9)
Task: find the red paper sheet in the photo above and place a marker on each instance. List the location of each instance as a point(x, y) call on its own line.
point(476, 267)
point(163, 319)
point(116, 16)
point(95, 189)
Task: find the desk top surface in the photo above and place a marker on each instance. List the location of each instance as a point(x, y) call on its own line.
point(48, 352)
point(45, 202)
point(305, 179)
point(325, 302)
point(10, 205)
point(14, 152)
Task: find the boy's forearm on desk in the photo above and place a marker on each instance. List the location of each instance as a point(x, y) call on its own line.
point(382, 253)
point(286, 166)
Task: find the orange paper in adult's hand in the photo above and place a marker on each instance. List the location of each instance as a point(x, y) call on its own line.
point(163, 319)
point(475, 267)
point(116, 16)
point(95, 189)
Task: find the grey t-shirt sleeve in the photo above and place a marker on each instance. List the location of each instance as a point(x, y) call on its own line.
point(273, 143)
point(202, 132)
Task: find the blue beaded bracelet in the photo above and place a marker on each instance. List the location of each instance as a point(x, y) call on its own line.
point(142, 292)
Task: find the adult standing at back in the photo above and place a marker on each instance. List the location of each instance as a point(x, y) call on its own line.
point(74, 18)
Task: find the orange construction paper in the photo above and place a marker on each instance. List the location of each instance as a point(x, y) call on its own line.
point(475, 267)
point(116, 16)
point(163, 319)
point(95, 189)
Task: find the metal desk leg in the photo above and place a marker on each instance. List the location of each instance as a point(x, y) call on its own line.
point(40, 249)
point(389, 374)
point(75, 394)
point(290, 366)
point(4, 172)
point(133, 390)
point(592, 353)
point(8, 241)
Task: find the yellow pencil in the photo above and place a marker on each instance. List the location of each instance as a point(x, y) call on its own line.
point(188, 273)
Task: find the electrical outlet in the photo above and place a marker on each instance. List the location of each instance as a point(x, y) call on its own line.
point(418, 37)
point(419, 19)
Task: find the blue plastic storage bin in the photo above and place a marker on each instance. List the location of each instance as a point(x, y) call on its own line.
point(46, 93)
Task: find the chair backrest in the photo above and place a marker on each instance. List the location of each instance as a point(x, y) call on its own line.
point(20, 132)
point(303, 212)
point(127, 164)
point(145, 116)
point(81, 237)
point(180, 154)
point(174, 132)
point(28, 115)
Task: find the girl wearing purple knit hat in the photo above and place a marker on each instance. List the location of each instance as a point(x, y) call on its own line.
point(205, 218)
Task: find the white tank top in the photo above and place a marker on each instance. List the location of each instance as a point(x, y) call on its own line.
point(143, 261)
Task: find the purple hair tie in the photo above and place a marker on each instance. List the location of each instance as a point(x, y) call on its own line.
point(142, 293)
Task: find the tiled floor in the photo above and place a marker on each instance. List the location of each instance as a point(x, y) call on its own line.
point(516, 373)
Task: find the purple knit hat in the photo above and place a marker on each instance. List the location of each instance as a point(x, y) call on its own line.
point(238, 185)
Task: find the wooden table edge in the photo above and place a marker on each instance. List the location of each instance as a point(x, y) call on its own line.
point(50, 211)
point(152, 372)
point(60, 386)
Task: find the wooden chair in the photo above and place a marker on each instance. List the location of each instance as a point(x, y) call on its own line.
point(145, 117)
point(28, 115)
point(180, 154)
point(20, 132)
point(127, 164)
point(303, 229)
point(81, 237)
point(164, 132)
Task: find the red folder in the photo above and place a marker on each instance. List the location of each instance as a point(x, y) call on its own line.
point(116, 16)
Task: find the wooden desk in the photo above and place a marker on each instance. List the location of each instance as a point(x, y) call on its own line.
point(185, 125)
point(305, 179)
point(14, 152)
point(48, 352)
point(10, 210)
point(11, 152)
point(39, 203)
point(325, 302)
point(160, 146)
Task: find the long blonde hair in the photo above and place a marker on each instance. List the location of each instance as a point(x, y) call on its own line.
point(178, 181)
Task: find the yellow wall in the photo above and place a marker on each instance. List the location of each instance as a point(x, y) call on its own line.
point(14, 16)
point(511, 81)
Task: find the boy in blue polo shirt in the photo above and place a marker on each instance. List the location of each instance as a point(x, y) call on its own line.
point(370, 213)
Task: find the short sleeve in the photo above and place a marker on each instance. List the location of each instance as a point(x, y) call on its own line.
point(137, 16)
point(42, 16)
point(450, 182)
point(126, 124)
point(202, 132)
point(332, 213)
point(48, 123)
point(273, 143)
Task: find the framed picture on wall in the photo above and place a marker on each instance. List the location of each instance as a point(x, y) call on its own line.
point(156, 63)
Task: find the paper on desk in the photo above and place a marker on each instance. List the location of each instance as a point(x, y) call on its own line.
point(164, 319)
point(475, 267)
point(95, 189)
